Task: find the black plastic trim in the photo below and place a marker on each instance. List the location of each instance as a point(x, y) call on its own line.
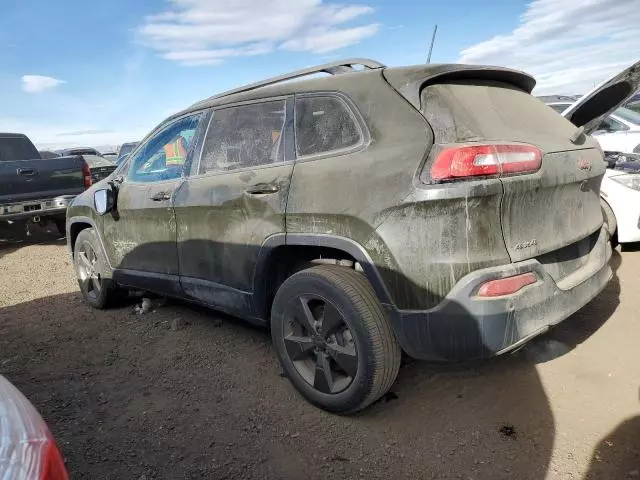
point(344, 244)
point(160, 283)
point(217, 295)
point(82, 219)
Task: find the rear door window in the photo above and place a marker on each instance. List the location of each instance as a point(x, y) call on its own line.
point(244, 136)
point(325, 124)
point(17, 148)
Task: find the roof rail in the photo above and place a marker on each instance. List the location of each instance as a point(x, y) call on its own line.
point(333, 68)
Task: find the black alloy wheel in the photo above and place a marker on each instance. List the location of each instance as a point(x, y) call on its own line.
point(320, 344)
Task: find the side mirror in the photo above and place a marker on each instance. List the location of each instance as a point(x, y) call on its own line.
point(104, 200)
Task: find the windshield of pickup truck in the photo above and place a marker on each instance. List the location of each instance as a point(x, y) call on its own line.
point(17, 147)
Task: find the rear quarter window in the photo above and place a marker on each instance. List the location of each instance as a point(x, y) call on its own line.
point(325, 124)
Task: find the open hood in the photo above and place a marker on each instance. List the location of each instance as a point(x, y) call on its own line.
point(595, 106)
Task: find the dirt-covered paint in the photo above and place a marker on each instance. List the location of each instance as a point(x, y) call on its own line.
point(425, 241)
point(217, 213)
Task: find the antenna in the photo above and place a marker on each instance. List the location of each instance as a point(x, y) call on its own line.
point(433, 39)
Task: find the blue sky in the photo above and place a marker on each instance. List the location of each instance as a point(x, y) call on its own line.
point(106, 71)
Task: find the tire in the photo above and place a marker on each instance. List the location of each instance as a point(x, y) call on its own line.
point(97, 288)
point(360, 348)
point(610, 220)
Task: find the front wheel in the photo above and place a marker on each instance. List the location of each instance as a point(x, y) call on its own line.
point(92, 269)
point(333, 338)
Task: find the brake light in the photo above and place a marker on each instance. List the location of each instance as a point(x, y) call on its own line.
point(86, 175)
point(506, 286)
point(485, 160)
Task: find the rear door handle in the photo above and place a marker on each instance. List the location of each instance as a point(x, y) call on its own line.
point(26, 171)
point(161, 197)
point(262, 189)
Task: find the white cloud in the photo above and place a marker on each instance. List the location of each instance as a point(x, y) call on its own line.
point(206, 32)
point(323, 40)
point(568, 46)
point(39, 83)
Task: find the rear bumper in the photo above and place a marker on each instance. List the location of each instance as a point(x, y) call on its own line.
point(464, 326)
point(35, 208)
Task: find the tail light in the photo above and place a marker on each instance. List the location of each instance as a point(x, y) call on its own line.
point(27, 448)
point(86, 175)
point(506, 286)
point(485, 160)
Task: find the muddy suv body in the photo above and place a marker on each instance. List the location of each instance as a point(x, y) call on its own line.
point(441, 210)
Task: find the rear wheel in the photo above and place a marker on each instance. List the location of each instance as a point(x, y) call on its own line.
point(92, 270)
point(610, 220)
point(333, 338)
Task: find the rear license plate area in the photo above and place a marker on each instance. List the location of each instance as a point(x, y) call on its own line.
point(563, 262)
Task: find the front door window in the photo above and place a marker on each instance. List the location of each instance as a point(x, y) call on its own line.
point(164, 156)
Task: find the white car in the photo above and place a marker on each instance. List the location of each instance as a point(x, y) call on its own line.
point(619, 132)
point(619, 136)
point(620, 197)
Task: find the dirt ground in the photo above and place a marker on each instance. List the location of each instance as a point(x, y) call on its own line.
point(129, 397)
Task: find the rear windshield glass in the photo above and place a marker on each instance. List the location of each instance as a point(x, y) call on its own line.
point(482, 110)
point(17, 148)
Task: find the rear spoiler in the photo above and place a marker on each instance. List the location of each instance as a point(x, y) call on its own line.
point(409, 81)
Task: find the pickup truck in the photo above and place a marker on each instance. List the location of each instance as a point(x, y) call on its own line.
point(37, 190)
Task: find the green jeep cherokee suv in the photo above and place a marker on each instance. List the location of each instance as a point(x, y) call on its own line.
point(439, 210)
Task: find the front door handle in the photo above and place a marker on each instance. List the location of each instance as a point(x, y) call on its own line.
point(262, 189)
point(27, 172)
point(161, 197)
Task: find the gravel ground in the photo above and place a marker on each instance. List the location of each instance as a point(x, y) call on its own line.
point(187, 393)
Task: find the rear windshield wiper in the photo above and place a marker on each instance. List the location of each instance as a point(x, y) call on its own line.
point(576, 135)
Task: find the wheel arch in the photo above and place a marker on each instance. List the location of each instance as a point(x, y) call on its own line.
point(77, 225)
point(281, 255)
point(604, 203)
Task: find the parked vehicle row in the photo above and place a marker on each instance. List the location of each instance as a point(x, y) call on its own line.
point(34, 189)
point(437, 210)
point(37, 186)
